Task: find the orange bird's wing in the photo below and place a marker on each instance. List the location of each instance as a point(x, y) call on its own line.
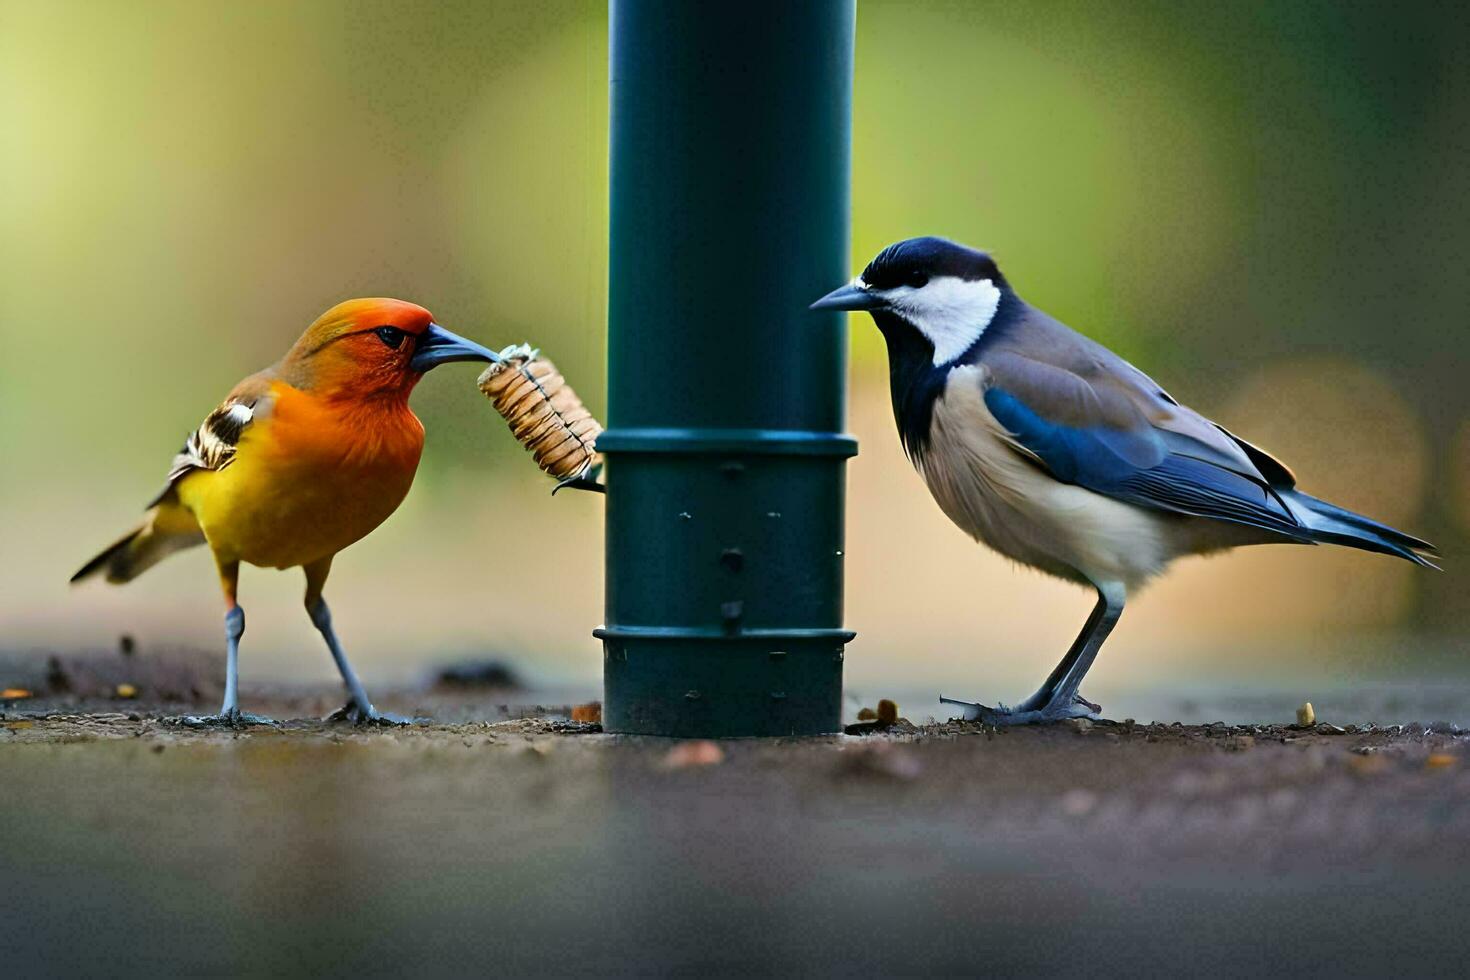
point(212, 445)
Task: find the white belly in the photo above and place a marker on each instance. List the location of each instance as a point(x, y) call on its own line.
point(1008, 502)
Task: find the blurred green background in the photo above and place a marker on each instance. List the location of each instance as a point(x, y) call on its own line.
point(1266, 205)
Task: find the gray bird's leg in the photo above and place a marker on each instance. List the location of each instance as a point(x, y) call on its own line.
point(358, 709)
point(1058, 698)
point(230, 714)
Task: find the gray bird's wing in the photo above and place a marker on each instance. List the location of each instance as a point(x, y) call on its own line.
point(1094, 420)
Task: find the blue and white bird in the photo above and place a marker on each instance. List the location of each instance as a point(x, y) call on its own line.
point(1059, 454)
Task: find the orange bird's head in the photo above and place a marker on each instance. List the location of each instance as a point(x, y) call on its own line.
point(379, 346)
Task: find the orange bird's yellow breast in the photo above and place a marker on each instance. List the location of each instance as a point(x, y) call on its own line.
point(308, 479)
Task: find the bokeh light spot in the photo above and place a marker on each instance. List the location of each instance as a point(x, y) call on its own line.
point(1344, 429)
point(1460, 462)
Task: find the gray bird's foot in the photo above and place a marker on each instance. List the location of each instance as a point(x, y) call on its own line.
point(362, 716)
point(1001, 717)
point(230, 718)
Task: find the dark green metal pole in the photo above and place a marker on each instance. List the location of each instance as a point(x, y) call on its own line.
point(726, 458)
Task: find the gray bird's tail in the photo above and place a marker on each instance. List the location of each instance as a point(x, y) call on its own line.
point(168, 528)
point(1331, 524)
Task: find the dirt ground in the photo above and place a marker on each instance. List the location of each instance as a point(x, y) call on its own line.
point(130, 844)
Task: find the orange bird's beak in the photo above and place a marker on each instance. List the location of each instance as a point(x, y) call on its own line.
point(437, 346)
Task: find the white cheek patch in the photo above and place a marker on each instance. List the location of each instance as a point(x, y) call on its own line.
point(950, 311)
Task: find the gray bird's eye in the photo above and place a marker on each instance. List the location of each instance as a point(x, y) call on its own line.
point(916, 279)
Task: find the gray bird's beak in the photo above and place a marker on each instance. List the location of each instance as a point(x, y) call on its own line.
point(853, 296)
point(438, 346)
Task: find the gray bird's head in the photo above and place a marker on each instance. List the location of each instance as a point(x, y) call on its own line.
point(945, 292)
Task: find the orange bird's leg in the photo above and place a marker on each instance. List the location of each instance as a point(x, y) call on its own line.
point(229, 712)
point(358, 708)
point(229, 581)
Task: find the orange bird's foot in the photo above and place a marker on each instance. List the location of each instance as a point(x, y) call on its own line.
point(361, 716)
point(231, 718)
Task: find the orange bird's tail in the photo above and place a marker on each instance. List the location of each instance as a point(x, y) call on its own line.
point(168, 528)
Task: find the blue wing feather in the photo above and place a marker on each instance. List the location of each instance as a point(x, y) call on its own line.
point(1094, 420)
point(1145, 466)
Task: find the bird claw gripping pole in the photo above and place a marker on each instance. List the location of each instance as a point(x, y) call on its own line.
point(586, 481)
point(546, 416)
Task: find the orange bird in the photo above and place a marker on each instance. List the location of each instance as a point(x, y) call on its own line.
point(298, 462)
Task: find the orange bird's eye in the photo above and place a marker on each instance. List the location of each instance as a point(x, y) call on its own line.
point(391, 336)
